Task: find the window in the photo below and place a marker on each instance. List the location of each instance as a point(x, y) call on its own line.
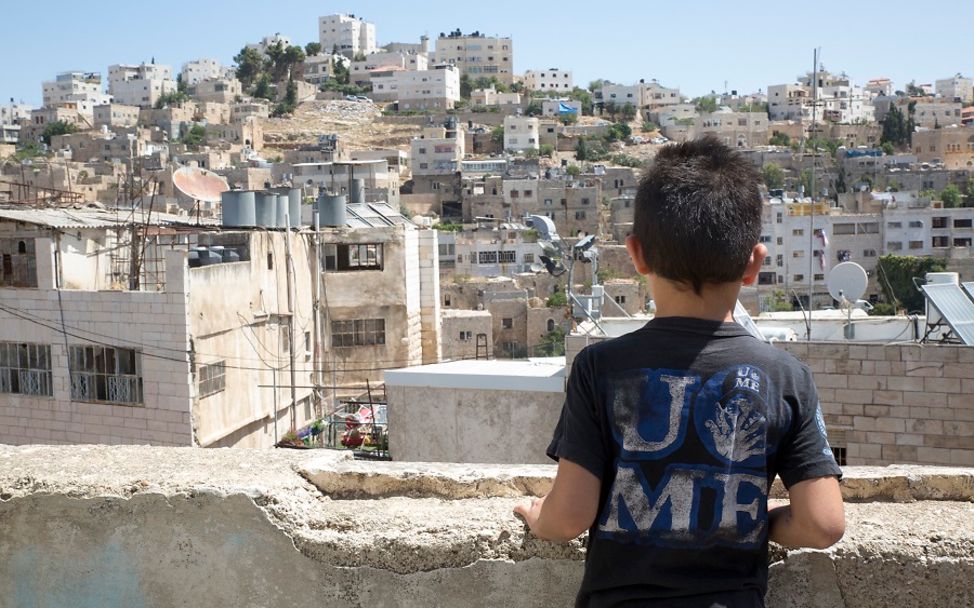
point(580, 215)
point(19, 263)
point(798, 277)
point(358, 332)
point(939, 222)
point(585, 201)
point(868, 253)
point(105, 373)
point(507, 323)
point(818, 277)
point(528, 258)
point(764, 239)
point(270, 261)
point(844, 229)
point(620, 299)
point(894, 246)
point(507, 257)
point(894, 225)
point(938, 241)
point(465, 336)
point(797, 254)
point(913, 245)
point(916, 224)
point(962, 223)
point(962, 242)
point(307, 346)
point(780, 241)
point(840, 456)
point(779, 218)
point(798, 232)
point(350, 257)
point(780, 260)
point(213, 378)
point(25, 369)
point(487, 257)
point(547, 202)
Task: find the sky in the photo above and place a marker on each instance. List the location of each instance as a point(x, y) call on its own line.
point(695, 45)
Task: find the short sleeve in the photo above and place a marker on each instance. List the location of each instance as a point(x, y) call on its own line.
point(805, 453)
point(579, 435)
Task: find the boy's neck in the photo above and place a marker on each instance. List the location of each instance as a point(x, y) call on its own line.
point(714, 303)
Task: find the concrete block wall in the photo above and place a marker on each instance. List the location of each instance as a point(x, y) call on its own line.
point(904, 403)
point(429, 295)
point(886, 403)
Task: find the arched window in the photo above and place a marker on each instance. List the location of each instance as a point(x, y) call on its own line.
point(551, 325)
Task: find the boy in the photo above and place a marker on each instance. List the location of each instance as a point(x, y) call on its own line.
point(671, 436)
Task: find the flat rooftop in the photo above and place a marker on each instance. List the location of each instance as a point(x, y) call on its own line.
point(543, 375)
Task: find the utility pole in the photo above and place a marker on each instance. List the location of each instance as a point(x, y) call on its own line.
point(811, 186)
point(292, 347)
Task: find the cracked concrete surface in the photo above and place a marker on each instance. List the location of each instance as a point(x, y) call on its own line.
point(102, 526)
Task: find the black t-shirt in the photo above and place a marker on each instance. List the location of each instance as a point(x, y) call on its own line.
point(686, 422)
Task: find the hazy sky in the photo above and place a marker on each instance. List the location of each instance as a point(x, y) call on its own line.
point(696, 46)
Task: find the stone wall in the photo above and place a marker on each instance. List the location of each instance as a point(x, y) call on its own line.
point(128, 526)
point(886, 403)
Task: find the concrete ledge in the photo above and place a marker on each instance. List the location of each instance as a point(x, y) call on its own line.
point(165, 527)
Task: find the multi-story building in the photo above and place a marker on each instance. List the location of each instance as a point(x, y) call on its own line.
point(490, 97)
point(213, 355)
point(654, 94)
point(495, 250)
point(381, 185)
point(477, 55)
point(346, 35)
point(435, 89)
point(81, 89)
point(879, 87)
point(958, 89)
point(218, 90)
point(839, 100)
point(932, 114)
point(620, 94)
point(551, 79)
point(140, 85)
point(12, 113)
point(463, 330)
point(319, 68)
point(789, 102)
point(953, 146)
point(438, 150)
point(195, 72)
point(114, 115)
point(361, 71)
point(521, 133)
point(735, 129)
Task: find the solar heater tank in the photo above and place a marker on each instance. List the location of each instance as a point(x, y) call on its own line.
point(331, 210)
point(239, 209)
point(938, 278)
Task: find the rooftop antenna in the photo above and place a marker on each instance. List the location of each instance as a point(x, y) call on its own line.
point(847, 283)
point(811, 185)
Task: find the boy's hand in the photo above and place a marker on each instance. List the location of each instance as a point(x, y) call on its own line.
point(530, 512)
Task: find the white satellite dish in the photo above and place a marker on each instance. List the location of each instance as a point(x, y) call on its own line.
point(847, 280)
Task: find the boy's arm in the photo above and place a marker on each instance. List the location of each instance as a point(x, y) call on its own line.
point(569, 509)
point(815, 517)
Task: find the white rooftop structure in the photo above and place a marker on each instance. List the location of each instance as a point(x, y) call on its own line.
point(542, 375)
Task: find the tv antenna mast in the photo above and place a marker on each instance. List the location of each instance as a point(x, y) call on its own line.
point(847, 283)
point(811, 208)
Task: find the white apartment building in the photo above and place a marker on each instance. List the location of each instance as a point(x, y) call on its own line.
point(438, 150)
point(12, 113)
point(669, 115)
point(269, 41)
point(361, 71)
point(957, 88)
point(840, 100)
point(195, 72)
point(490, 97)
point(80, 88)
point(347, 35)
point(435, 89)
point(140, 85)
point(551, 79)
point(655, 94)
point(499, 250)
point(478, 55)
point(521, 133)
point(879, 87)
point(931, 114)
point(621, 94)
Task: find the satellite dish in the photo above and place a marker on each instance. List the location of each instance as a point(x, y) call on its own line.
point(847, 280)
point(537, 267)
point(200, 184)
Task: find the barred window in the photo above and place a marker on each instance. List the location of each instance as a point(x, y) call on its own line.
point(365, 256)
point(104, 373)
point(18, 263)
point(358, 332)
point(487, 257)
point(213, 378)
point(25, 369)
point(507, 257)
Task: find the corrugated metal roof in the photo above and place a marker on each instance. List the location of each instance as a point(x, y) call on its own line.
point(93, 217)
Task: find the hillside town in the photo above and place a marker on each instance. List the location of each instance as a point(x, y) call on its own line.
point(227, 255)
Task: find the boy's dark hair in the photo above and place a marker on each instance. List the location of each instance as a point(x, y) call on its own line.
point(698, 213)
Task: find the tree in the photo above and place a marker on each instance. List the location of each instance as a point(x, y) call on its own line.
point(894, 128)
point(532, 153)
point(888, 149)
point(171, 99)
point(774, 176)
point(780, 139)
point(250, 65)
point(552, 344)
point(895, 274)
point(497, 135)
point(466, 87)
point(360, 56)
point(568, 118)
point(597, 84)
point(195, 136)
point(263, 89)
point(649, 127)
point(581, 149)
point(706, 105)
point(181, 85)
point(628, 112)
point(805, 181)
point(611, 108)
point(290, 101)
point(312, 49)
point(533, 109)
point(950, 196)
point(340, 72)
point(619, 131)
point(573, 170)
point(60, 127)
point(547, 150)
point(557, 300)
point(585, 98)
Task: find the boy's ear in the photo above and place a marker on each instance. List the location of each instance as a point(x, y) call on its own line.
point(754, 264)
point(635, 249)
